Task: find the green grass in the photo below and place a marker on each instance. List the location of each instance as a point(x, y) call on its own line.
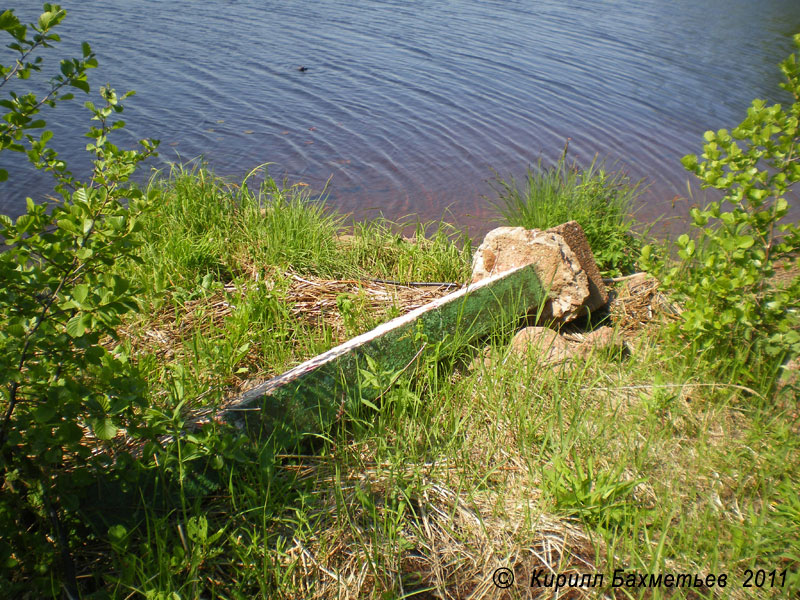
point(204, 225)
point(640, 463)
point(645, 461)
point(602, 202)
point(217, 266)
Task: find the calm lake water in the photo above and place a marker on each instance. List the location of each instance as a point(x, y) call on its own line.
point(407, 107)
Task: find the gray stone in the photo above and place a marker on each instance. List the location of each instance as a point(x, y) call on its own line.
point(555, 263)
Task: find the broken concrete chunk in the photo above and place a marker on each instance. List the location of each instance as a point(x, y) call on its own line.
point(552, 346)
point(602, 338)
point(573, 234)
point(556, 265)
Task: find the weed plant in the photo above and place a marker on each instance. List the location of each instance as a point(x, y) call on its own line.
point(602, 202)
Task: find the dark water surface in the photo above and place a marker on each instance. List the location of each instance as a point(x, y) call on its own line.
point(408, 106)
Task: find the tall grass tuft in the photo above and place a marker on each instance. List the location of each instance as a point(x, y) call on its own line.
point(600, 201)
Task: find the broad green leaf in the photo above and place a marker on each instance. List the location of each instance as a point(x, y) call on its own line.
point(45, 20)
point(689, 162)
point(81, 84)
point(197, 529)
point(70, 432)
point(44, 413)
point(67, 225)
point(75, 327)
point(104, 402)
point(80, 292)
point(94, 355)
point(104, 429)
point(369, 404)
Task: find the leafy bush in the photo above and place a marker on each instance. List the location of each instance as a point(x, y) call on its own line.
point(725, 273)
point(65, 391)
point(601, 202)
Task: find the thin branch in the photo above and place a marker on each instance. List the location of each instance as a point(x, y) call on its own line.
point(21, 60)
point(51, 95)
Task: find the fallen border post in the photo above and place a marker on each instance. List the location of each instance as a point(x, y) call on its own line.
point(307, 398)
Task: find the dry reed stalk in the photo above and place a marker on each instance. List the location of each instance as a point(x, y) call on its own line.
point(309, 298)
point(446, 547)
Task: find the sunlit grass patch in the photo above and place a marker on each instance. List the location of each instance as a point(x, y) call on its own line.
point(243, 281)
point(602, 202)
point(637, 457)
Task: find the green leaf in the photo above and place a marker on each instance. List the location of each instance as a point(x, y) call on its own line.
point(369, 404)
point(44, 413)
point(80, 293)
point(75, 327)
point(104, 428)
point(45, 19)
point(94, 355)
point(81, 84)
point(70, 432)
point(689, 162)
point(67, 225)
point(197, 529)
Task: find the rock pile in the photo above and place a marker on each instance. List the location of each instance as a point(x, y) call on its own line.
point(566, 268)
point(563, 261)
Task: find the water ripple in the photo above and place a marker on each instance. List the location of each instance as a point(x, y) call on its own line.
point(407, 107)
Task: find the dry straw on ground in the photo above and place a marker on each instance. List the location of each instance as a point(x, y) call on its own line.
point(447, 546)
point(311, 299)
point(639, 301)
point(315, 299)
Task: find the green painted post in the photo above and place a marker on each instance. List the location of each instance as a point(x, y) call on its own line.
point(305, 399)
